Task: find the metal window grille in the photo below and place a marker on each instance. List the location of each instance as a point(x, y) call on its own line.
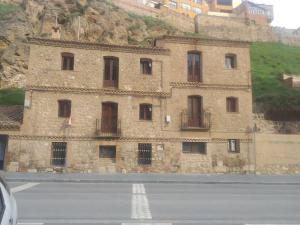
point(144, 154)
point(107, 152)
point(194, 147)
point(59, 150)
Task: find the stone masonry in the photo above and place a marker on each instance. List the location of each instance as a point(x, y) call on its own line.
point(167, 90)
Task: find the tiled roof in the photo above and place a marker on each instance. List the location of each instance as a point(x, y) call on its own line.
point(11, 117)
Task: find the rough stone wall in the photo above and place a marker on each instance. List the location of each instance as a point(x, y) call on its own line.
point(166, 89)
point(277, 153)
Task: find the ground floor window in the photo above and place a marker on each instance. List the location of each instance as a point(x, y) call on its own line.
point(234, 145)
point(144, 154)
point(194, 147)
point(107, 152)
point(59, 150)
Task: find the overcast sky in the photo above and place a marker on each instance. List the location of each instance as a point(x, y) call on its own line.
point(287, 12)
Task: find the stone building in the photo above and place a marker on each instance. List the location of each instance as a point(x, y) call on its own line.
point(260, 14)
point(184, 105)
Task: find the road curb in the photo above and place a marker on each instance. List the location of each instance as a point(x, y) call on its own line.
point(147, 181)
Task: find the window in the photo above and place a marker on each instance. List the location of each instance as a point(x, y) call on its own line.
point(107, 152)
point(230, 61)
point(145, 112)
point(197, 1)
point(232, 104)
point(64, 108)
point(194, 67)
point(194, 147)
point(111, 72)
point(67, 61)
point(197, 10)
point(144, 154)
point(225, 2)
point(172, 5)
point(59, 153)
point(234, 145)
point(146, 66)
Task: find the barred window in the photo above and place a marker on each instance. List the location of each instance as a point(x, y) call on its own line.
point(194, 147)
point(67, 61)
point(59, 150)
point(64, 108)
point(144, 154)
point(234, 145)
point(108, 152)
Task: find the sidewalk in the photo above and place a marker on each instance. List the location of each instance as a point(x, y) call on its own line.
point(153, 178)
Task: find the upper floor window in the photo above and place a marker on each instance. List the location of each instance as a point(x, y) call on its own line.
point(224, 2)
point(194, 67)
point(186, 7)
point(173, 5)
point(232, 104)
point(111, 72)
point(197, 1)
point(67, 61)
point(230, 61)
point(234, 145)
point(197, 10)
point(145, 112)
point(194, 147)
point(146, 66)
point(64, 108)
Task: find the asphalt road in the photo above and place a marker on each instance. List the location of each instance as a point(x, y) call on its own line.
point(167, 204)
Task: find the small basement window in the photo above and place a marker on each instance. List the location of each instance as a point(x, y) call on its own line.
point(64, 108)
point(230, 61)
point(194, 147)
point(59, 150)
point(67, 61)
point(146, 66)
point(234, 146)
point(144, 154)
point(107, 152)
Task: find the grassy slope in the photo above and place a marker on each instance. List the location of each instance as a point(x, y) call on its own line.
point(8, 9)
point(269, 61)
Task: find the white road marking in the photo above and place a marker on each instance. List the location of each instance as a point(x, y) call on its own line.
point(140, 205)
point(23, 187)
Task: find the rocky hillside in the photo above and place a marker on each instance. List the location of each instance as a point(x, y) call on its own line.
point(100, 21)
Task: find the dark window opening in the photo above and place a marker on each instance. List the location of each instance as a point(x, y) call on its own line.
point(67, 61)
point(194, 111)
point(64, 108)
point(59, 150)
point(194, 67)
point(145, 112)
point(234, 145)
point(194, 147)
point(144, 154)
point(107, 152)
point(232, 104)
point(146, 66)
point(230, 61)
point(111, 72)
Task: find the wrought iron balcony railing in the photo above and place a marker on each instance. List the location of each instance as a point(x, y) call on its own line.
point(201, 122)
point(108, 128)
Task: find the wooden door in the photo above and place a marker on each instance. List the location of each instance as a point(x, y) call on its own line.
point(3, 144)
point(194, 67)
point(111, 72)
point(194, 111)
point(109, 119)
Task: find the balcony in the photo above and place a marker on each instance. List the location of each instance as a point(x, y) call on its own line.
point(195, 123)
point(108, 129)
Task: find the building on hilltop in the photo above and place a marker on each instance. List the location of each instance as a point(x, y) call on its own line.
point(260, 14)
point(188, 7)
point(184, 105)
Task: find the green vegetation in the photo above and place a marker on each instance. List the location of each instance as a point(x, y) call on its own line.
point(157, 24)
point(269, 61)
point(8, 9)
point(12, 96)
